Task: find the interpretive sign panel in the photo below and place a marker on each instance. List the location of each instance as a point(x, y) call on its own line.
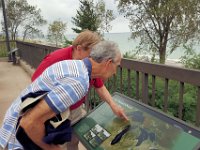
point(148, 129)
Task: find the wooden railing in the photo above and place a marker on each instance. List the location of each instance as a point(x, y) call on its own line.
point(138, 77)
point(33, 53)
point(146, 70)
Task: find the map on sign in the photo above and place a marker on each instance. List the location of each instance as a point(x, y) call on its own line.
point(147, 129)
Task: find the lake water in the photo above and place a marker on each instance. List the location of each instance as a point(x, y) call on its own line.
point(128, 45)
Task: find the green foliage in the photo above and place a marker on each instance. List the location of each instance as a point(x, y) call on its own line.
point(21, 14)
point(94, 17)
point(2, 37)
point(162, 25)
point(3, 47)
point(86, 17)
point(130, 55)
point(56, 31)
point(66, 42)
point(190, 59)
point(3, 51)
point(189, 110)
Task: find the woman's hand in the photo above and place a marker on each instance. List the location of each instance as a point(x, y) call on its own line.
point(119, 111)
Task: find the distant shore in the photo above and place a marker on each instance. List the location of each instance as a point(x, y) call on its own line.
point(172, 62)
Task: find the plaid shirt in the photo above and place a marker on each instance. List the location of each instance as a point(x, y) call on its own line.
point(66, 82)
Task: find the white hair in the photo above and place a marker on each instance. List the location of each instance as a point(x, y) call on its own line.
point(105, 50)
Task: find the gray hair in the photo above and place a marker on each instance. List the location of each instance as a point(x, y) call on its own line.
point(105, 50)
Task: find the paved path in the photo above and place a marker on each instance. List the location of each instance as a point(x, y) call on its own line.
point(13, 79)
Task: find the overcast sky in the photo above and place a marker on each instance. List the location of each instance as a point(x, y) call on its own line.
point(66, 9)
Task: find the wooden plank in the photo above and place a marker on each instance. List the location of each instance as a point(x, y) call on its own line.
point(137, 85)
point(181, 92)
point(166, 91)
point(153, 90)
point(145, 88)
point(198, 108)
point(121, 80)
point(129, 82)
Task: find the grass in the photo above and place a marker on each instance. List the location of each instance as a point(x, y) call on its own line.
point(3, 48)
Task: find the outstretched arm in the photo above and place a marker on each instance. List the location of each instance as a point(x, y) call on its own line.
point(105, 95)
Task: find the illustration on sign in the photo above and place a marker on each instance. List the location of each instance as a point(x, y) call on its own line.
point(96, 135)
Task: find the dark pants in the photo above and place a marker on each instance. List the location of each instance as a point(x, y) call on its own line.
point(25, 141)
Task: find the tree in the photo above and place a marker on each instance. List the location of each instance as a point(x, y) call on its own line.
point(31, 32)
point(30, 27)
point(105, 16)
point(56, 31)
point(0, 5)
point(86, 17)
point(20, 13)
point(190, 59)
point(6, 32)
point(162, 25)
point(94, 17)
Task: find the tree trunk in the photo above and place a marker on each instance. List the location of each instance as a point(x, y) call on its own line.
point(6, 29)
point(15, 32)
point(24, 36)
point(163, 47)
point(12, 36)
point(162, 55)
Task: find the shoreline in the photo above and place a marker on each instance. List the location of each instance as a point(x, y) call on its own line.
point(174, 62)
point(168, 61)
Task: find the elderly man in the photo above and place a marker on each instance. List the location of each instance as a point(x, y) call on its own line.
point(63, 83)
point(81, 48)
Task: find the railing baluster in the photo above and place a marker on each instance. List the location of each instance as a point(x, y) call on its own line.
point(121, 80)
point(145, 88)
point(198, 108)
point(87, 102)
point(114, 84)
point(108, 83)
point(153, 90)
point(181, 91)
point(166, 95)
point(90, 100)
point(94, 95)
point(137, 85)
point(129, 82)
